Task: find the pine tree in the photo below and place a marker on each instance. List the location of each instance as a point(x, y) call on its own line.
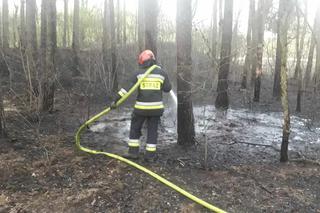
point(151, 31)
point(222, 100)
point(285, 8)
point(76, 38)
point(186, 132)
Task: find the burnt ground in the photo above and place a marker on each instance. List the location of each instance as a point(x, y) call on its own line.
point(41, 170)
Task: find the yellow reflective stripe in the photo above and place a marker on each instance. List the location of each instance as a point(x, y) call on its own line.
point(134, 143)
point(154, 76)
point(122, 92)
point(150, 85)
point(151, 147)
point(149, 103)
point(149, 107)
point(152, 80)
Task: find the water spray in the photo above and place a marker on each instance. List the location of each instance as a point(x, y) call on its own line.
point(174, 97)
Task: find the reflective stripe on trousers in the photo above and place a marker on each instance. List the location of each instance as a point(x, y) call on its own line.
point(133, 143)
point(152, 126)
point(151, 147)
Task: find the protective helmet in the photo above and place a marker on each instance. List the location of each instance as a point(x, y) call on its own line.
point(145, 56)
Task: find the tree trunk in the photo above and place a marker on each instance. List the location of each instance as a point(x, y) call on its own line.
point(4, 71)
point(316, 76)
point(234, 44)
point(259, 49)
point(307, 75)
point(32, 52)
point(106, 38)
point(222, 100)
point(5, 24)
point(22, 25)
point(186, 132)
point(1, 31)
point(277, 73)
point(124, 24)
point(76, 38)
point(220, 24)
point(300, 48)
point(295, 75)
point(297, 71)
point(43, 49)
point(119, 38)
point(114, 74)
point(15, 28)
point(248, 58)
point(141, 25)
point(2, 116)
point(65, 24)
point(214, 33)
point(151, 31)
point(48, 84)
point(285, 8)
point(31, 29)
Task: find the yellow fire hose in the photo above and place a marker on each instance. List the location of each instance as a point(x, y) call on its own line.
point(131, 163)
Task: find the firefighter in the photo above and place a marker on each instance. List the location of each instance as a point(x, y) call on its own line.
point(148, 106)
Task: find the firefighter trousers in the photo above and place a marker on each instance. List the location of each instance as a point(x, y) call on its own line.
point(137, 122)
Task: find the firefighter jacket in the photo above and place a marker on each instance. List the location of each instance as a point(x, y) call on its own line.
point(149, 99)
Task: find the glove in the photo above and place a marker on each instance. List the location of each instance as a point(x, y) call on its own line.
point(113, 105)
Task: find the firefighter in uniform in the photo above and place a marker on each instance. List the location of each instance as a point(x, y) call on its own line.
point(148, 106)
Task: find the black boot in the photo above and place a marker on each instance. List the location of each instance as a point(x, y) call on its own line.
point(133, 153)
point(150, 157)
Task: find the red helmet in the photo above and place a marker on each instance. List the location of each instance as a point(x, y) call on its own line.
point(145, 56)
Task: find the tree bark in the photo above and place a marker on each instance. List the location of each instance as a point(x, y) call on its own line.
point(220, 24)
point(43, 49)
point(106, 38)
point(119, 30)
point(186, 132)
point(259, 49)
point(214, 33)
point(222, 100)
point(31, 29)
point(234, 44)
point(313, 42)
point(277, 73)
point(2, 115)
point(48, 88)
point(151, 29)
point(307, 75)
point(300, 48)
point(1, 28)
point(22, 25)
point(316, 76)
point(76, 38)
point(65, 23)
point(15, 28)
point(4, 71)
point(32, 53)
point(248, 58)
point(141, 25)
point(114, 74)
point(285, 8)
point(5, 24)
point(124, 24)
